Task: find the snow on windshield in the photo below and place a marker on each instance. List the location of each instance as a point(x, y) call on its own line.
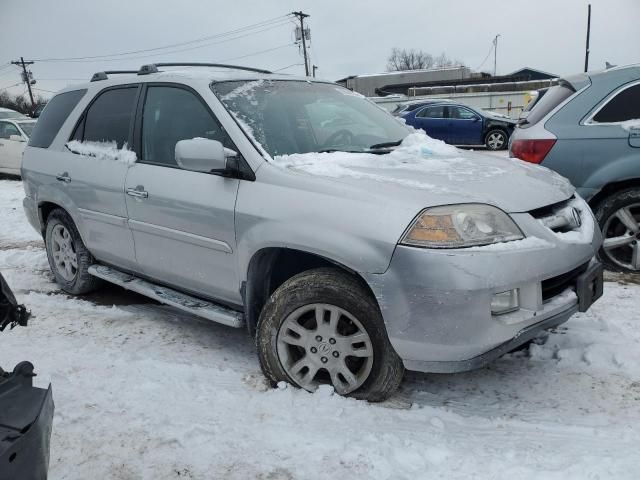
point(631, 124)
point(103, 151)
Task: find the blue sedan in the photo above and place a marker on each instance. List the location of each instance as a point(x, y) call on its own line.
point(459, 124)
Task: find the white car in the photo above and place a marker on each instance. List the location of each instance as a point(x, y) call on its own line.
point(8, 113)
point(14, 135)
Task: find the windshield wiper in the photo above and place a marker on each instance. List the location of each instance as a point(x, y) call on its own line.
point(332, 150)
point(385, 144)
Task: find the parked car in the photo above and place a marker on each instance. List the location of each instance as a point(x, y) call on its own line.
point(8, 113)
point(38, 110)
point(536, 97)
point(26, 412)
point(584, 129)
point(349, 258)
point(459, 124)
point(14, 135)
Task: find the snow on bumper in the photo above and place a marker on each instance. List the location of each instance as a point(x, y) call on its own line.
point(437, 303)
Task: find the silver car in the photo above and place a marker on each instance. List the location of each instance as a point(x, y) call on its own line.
point(351, 246)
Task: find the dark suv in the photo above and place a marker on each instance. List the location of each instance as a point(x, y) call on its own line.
point(587, 128)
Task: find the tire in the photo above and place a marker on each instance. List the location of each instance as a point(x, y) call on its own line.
point(378, 369)
point(496, 139)
point(76, 280)
point(619, 218)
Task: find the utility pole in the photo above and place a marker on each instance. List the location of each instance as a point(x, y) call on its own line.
point(495, 55)
point(586, 53)
point(26, 78)
point(301, 16)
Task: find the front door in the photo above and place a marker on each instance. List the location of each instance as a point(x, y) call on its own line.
point(182, 221)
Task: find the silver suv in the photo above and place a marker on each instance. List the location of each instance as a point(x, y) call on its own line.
point(350, 245)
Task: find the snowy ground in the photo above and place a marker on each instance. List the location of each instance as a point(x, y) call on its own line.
point(143, 391)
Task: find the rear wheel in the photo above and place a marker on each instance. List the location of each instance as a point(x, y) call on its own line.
point(323, 327)
point(496, 140)
point(619, 219)
point(68, 258)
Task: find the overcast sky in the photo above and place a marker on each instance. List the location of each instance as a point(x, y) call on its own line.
point(348, 37)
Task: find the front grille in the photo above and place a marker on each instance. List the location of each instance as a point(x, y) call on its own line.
point(556, 285)
point(559, 217)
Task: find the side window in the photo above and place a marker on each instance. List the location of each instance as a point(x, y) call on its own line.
point(7, 129)
point(52, 118)
point(624, 106)
point(109, 117)
point(461, 113)
point(172, 114)
point(432, 112)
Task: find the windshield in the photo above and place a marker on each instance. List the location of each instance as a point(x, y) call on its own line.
point(27, 127)
point(292, 116)
point(10, 114)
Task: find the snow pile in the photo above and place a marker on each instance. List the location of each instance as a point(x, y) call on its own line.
point(417, 153)
point(103, 151)
point(631, 124)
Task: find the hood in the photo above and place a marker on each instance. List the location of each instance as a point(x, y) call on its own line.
point(428, 172)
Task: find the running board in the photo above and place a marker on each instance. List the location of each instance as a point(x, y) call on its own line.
point(187, 303)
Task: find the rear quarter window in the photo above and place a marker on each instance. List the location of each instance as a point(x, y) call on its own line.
point(52, 118)
point(624, 106)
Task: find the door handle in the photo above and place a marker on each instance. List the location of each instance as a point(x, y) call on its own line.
point(63, 177)
point(138, 192)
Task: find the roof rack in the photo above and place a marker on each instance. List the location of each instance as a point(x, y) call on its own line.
point(103, 75)
point(153, 67)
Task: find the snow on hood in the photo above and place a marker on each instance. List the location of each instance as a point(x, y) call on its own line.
point(424, 164)
point(103, 151)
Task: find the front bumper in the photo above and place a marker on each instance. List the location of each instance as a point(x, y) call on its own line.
point(436, 304)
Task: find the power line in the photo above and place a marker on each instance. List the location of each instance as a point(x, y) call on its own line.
point(11, 86)
point(487, 57)
point(271, 22)
point(288, 66)
point(174, 51)
point(259, 53)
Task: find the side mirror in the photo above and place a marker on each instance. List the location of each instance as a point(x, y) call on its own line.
point(476, 119)
point(203, 155)
point(16, 138)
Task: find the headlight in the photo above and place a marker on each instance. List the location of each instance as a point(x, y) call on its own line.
point(455, 226)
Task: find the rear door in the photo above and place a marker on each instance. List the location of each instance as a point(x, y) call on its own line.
point(182, 221)
point(94, 181)
point(10, 150)
point(432, 120)
point(464, 126)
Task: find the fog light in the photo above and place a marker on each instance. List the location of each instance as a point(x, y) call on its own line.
point(505, 302)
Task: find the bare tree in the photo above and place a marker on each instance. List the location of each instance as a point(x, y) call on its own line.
point(403, 59)
point(19, 103)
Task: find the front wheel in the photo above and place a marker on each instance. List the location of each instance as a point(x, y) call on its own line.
point(323, 327)
point(619, 219)
point(496, 140)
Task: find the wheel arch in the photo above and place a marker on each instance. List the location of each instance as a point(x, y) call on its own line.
point(613, 187)
point(270, 267)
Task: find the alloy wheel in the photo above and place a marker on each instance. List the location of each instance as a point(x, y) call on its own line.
point(496, 140)
point(622, 237)
point(324, 344)
point(63, 252)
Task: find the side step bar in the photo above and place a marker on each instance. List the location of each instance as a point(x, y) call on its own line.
point(193, 305)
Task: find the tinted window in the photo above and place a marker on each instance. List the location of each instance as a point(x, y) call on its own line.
point(7, 129)
point(554, 97)
point(461, 113)
point(173, 114)
point(624, 106)
point(52, 118)
point(109, 117)
point(432, 112)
